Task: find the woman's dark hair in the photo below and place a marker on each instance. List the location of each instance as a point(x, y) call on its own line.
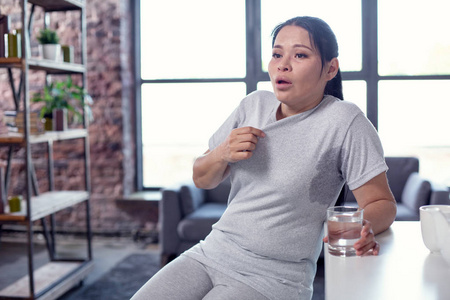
point(324, 40)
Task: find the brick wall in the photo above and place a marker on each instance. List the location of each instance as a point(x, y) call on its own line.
point(111, 139)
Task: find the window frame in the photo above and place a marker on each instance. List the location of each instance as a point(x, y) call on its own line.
point(254, 72)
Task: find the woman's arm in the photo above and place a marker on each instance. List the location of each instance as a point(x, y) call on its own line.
point(213, 166)
point(210, 170)
point(379, 205)
point(380, 209)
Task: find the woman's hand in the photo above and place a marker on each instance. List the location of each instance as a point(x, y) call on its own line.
point(240, 144)
point(367, 241)
point(213, 166)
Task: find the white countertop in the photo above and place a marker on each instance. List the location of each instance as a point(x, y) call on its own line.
point(404, 269)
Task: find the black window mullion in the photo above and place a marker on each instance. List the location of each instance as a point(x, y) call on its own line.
point(253, 43)
point(370, 56)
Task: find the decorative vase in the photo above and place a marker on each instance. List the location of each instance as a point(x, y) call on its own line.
point(48, 124)
point(51, 51)
point(15, 204)
point(14, 44)
point(60, 119)
point(67, 53)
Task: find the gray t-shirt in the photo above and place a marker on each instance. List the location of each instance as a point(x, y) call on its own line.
point(270, 235)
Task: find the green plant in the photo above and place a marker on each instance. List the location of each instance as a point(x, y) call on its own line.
point(64, 94)
point(48, 36)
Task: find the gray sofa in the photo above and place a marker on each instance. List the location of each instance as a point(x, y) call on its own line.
point(187, 212)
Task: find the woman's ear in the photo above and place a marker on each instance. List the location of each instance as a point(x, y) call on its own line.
point(333, 68)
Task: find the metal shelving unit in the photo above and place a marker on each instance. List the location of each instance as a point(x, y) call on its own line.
point(60, 274)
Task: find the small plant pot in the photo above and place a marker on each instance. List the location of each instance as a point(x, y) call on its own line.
point(51, 52)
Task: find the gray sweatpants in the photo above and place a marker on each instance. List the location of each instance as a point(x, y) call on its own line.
point(187, 279)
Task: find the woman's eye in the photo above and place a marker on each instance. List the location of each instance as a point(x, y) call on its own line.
point(300, 55)
point(276, 55)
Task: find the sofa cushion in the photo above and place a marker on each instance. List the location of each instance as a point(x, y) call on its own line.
point(399, 170)
point(416, 192)
point(197, 225)
point(191, 197)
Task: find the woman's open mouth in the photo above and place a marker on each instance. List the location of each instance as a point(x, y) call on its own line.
point(282, 83)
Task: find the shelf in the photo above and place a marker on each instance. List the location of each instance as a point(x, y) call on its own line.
point(10, 62)
point(62, 5)
point(46, 204)
point(141, 197)
point(19, 138)
point(51, 67)
point(49, 274)
point(57, 277)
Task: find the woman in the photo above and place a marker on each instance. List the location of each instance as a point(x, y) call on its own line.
point(288, 154)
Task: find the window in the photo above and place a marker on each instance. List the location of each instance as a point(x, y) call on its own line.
point(416, 42)
point(199, 60)
point(191, 43)
point(414, 121)
point(178, 124)
point(414, 70)
point(193, 69)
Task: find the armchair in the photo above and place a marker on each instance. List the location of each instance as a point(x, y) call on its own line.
point(186, 215)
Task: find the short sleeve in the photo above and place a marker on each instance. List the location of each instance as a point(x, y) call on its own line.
point(254, 110)
point(362, 153)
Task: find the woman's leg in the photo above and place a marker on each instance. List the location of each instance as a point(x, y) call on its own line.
point(228, 292)
point(183, 278)
point(228, 288)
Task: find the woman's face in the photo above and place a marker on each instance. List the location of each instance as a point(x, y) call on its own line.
point(296, 71)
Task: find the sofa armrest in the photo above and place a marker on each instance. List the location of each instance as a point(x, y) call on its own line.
point(439, 194)
point(169, 216)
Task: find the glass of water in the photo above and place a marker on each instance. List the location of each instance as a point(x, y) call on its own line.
point(344, 224)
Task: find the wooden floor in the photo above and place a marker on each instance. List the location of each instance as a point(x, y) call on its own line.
point(14, 280)
point(48, 275)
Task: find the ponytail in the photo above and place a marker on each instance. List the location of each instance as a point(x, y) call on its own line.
point(334, 86)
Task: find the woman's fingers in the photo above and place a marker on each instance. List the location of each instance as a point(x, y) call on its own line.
point(241, 142)
point(367, 241)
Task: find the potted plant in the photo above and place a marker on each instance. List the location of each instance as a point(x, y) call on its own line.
point(49, 43)
point(59, 98)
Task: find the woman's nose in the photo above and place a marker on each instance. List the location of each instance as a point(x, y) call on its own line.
point(284, 66)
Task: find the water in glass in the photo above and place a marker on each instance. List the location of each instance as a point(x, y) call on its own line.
point(343, 232)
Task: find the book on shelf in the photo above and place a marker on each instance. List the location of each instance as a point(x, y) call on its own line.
point(8, 122)
point(34, 115)
point(13, 122)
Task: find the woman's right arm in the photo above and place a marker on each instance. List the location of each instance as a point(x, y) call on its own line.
point(212, 167)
